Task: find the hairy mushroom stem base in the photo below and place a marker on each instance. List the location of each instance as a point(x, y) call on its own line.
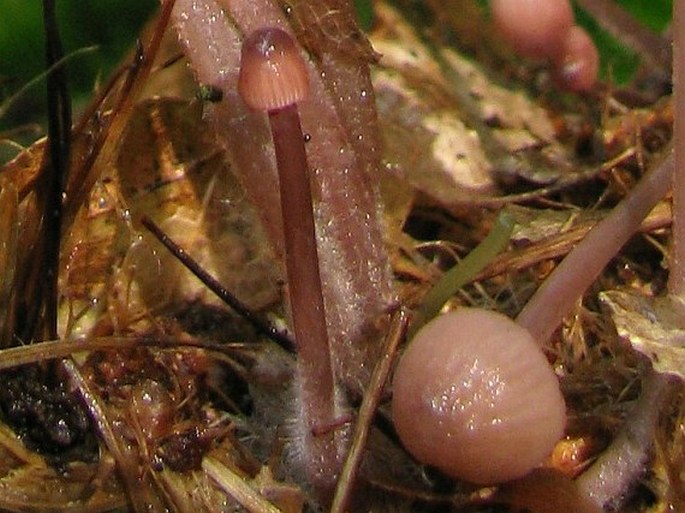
point(273, 79)
point(315, 372)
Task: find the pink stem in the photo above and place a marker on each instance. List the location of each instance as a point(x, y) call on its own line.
point(315, 373)
point(611, 476)
point(607, 481)
point(569, 280)
point(343, 154)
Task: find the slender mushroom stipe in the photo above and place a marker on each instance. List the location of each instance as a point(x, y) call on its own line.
point(273, 78)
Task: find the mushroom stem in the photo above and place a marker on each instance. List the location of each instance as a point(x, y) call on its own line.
point(302, 260)
point(273, 79)
point(555, 298)
point(304, 282)
point(623, 462)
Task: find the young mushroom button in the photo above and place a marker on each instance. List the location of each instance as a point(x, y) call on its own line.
point(474, 396)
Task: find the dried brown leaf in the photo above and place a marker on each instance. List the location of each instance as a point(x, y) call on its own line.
point(169, 169)
point(450, 127)
point(653, 326)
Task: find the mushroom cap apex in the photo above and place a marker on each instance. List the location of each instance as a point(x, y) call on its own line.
point(273, 74)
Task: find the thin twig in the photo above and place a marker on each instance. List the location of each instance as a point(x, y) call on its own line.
point(262, 326)
point(59, 148)
point(54, 349)
point(125, 465)
point(367, 411)
point(236, 486)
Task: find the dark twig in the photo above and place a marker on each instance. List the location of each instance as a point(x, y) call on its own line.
point(212, 284)
point(37, 286)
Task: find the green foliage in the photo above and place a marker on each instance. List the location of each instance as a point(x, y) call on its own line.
point(364, 10)
point(618, 62)
point(459, 275)
point(112, 25)
point(656, 14)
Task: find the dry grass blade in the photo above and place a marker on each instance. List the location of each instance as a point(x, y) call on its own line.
point(367, 410)
point(236, 486)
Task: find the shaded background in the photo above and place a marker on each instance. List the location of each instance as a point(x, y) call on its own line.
point(113, 25)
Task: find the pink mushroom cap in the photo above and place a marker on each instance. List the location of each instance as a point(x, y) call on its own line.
point(533, 27)
point(577, 64)
point(273, 73)
point(474, 396)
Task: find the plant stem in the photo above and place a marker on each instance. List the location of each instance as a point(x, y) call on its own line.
point(607, 481)
point(623, 462)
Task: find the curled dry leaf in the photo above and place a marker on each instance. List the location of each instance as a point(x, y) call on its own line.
point(168, 169)
point(653, 326)
point(117, 279)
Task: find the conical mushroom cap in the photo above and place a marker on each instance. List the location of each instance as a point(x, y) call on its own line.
point(273, 73)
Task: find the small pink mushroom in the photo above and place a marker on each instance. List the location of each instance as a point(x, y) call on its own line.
point(545, 29)
point(533, 27)
point(474, 395)
point(273, 79)
point(577, 63)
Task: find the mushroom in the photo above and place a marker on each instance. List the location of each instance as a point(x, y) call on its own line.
point(474, 395)
point(545, 29)
point(577, 63)
point(273, 79)
point(533, 27)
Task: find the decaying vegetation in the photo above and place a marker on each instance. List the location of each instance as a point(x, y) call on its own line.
point(129, 386)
